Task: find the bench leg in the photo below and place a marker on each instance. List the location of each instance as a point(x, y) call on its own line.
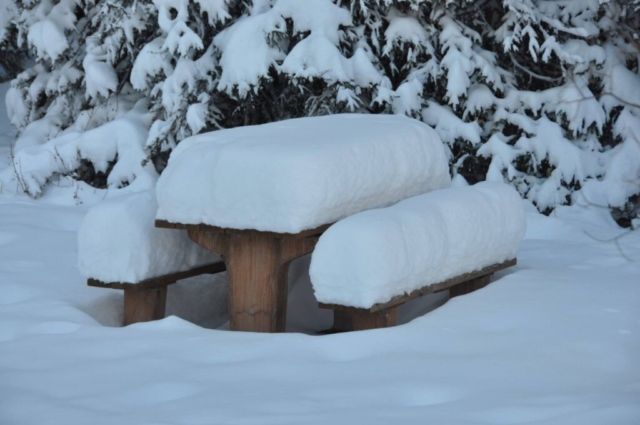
point(359, 320)
point(469, 286)
point(144, 305)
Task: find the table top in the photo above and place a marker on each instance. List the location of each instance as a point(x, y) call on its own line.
point(224, 230)
point(299, 174)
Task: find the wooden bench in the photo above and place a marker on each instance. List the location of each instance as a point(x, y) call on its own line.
point(120, 248)
point(368, 264)
point(383, 315)
point(145, 301)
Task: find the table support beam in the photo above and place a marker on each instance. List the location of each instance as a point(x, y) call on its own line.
point(257, 269)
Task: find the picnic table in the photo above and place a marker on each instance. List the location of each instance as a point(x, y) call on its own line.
point(261, 196)
point(362, 189)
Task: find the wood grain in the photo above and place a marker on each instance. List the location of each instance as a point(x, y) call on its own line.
point(357, 319)
point(144, 305)
point(469, 286)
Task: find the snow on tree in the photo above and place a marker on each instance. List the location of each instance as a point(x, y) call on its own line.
point(84, 51)
point(542, 94)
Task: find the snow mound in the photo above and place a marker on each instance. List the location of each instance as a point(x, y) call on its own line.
point(298, 174)
point(117, 242)
point(373, 256)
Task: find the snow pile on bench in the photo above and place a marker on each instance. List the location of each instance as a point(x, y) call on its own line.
point(375, 255)
point(299, 174)
point(117, 242)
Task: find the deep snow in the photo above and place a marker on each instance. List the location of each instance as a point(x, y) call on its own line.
point(553, 341)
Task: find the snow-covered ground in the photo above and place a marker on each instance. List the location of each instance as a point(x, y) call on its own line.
point(555, 340)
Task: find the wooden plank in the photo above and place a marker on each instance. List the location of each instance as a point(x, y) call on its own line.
point(469, 286)
point(379, 319)
point(358, 319)
point(225, 230)
point(160, 280)
point(436, 287)
point(295, 248)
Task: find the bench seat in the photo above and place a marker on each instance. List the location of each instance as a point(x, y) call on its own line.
point(120, 248)
point(452, 239)
point(383, 315)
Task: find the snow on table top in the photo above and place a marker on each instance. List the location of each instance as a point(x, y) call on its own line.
point(117, 242)
point(375, 255)
point(299, 174)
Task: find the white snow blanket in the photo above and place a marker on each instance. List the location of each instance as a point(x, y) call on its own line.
point(298, 174)
point(118, 242)
point(372, 256)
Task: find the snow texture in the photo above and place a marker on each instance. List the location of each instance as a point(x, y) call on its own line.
point(35, 162)
point(248, 54)
point(375, 255)
point(48, 35)
point(118, 242)
point(299, 174)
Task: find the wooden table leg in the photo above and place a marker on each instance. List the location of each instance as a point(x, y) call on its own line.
point(255, 284)
point(257, 270)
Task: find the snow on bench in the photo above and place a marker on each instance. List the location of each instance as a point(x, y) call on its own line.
point(299, 174)
point(119, 247)
point(372, 261)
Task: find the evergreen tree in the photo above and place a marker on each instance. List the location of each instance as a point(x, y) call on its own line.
point(542, 94)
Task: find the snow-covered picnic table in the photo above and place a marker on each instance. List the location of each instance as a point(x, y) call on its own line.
point(260, 196)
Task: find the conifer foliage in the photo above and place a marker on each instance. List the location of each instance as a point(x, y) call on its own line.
point(11, 58)
point(544, 94)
